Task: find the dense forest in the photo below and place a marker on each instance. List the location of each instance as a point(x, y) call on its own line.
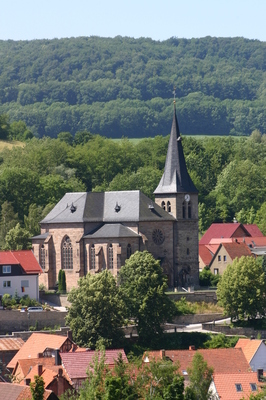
point(230, 174)
point(124, 87)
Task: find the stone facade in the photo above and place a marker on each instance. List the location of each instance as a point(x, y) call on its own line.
point(92, 232)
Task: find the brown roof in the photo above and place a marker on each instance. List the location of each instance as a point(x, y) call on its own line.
point(49, 373)
point(236, 249)
point(12, 391)
point(36, 344)
point(221, 360)
point(7, 344)
point(249, 347)
point(205, 254)
point(225, 385)
point(23, 367)
point(76, 364)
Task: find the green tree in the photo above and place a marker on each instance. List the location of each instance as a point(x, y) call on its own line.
point(65, 137)
point(32, 220)
point(143, 286)
point(61, 281)
point(241, 291)
point(96, 310)
point(4, 127)
point(17, 238)
point(200, 376)
point(8, 221)
point(37, 388)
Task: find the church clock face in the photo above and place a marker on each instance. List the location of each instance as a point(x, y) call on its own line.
point(158, 236)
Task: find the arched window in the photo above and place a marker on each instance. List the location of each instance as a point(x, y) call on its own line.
point(111, 256)
point(129, 250)
point(189, 210)
point(67, 254)
point(42, 257)
point(92, 257)
point(163, 205)
point(168, 206)
point(184, 209)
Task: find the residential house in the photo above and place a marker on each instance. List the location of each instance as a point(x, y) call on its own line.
point(226, 253)
point(13, 391)
point(8, 348)
point(206, 253)
point(90, 232)
point(230, 230)
point(77, 364)
point(19, 273)
point(234, 386)
point(255, 352)
point(40, 343)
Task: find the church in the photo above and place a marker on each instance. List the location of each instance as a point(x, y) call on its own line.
point(91, 232)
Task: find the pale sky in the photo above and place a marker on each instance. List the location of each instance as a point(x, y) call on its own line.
point(157, 19)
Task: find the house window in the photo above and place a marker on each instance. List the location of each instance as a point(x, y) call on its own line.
point(67, 254)
point(238, 387)
point(219, 258)
point(189, 210)
point(216, 271)
point(184, 209)
point(253, 387)
point(6, 269)
point(163, 205)
point(42, 257)
point(224, 258)
point(129, 250)
point(111, 256)
point(7, 284)
point(24, 284)
point(92, 257)
point(168, 206)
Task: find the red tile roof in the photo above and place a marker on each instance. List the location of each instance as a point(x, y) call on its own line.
point(23, 367)
point(49, 373)
point(36, 344)
point(12, 391)
point(249, 347)
point(25, 258)
point(205, 254)
point(228, 230)
point(76, 364)
point(221, 360)
point(7, 344)
point(225, 385)
point(236, 249)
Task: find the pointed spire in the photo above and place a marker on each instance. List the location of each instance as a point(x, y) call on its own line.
point(175, 178)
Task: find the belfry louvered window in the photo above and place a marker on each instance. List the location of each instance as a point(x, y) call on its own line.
point(67, 254)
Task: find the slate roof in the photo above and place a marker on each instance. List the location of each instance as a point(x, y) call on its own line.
point(133, 206)
point(25, 258)
point(175, 178)
point(225, 385)
point(36, 344)
point(223, 230)
point(7, 344)
point(249, 347)
point(76, 364)
point(221, 360)
point(112, 231)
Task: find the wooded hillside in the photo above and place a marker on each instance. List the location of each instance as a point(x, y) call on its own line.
point(123, 86)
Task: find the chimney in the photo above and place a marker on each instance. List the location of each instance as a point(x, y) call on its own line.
point(69, 335)
point(162, 354)
point(260, 374)
point(57, 357)
point(27, 381)
point(192, 347)
point(60, 371)
point(39, 369)
point(39, 355)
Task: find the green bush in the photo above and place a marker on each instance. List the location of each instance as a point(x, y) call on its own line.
point(183, 307)
point(207, 278)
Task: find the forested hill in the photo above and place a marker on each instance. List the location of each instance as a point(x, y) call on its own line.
point(123, 86)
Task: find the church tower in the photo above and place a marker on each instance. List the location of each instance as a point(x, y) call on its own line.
point(177, 194)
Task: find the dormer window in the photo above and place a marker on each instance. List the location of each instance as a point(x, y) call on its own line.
point(253, 387)
point(6, 269)
point(238, 387)
point(73, 208)
point(117, 208)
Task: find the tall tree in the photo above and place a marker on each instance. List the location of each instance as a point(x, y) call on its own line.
point(17, 238)
point(200, 376)
point(37, 388)
point(8, 220)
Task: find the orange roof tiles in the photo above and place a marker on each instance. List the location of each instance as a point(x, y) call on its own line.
point(225, 385)
point(7, 344)
point(249, 347)
point(36, 344)
point(25, 258)
point(221, 360)
point(24, 366)
point(76, 364)
point(236, 249)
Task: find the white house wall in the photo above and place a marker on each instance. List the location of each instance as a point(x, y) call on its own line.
point(16, 285)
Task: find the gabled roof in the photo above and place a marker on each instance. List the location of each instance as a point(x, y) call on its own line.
point(13, 391)
point(9, 344)
point(25, 258)
point(36, 344)
point(223, 230)
point(26, 365)
point(225, 385)
point(175, 178)
point(49, 374)
point(249, 347)
point(221, 360)
point(205, 254)
point(253, 230)
point(76, 364)
point(107, 207)
point(112, 231)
